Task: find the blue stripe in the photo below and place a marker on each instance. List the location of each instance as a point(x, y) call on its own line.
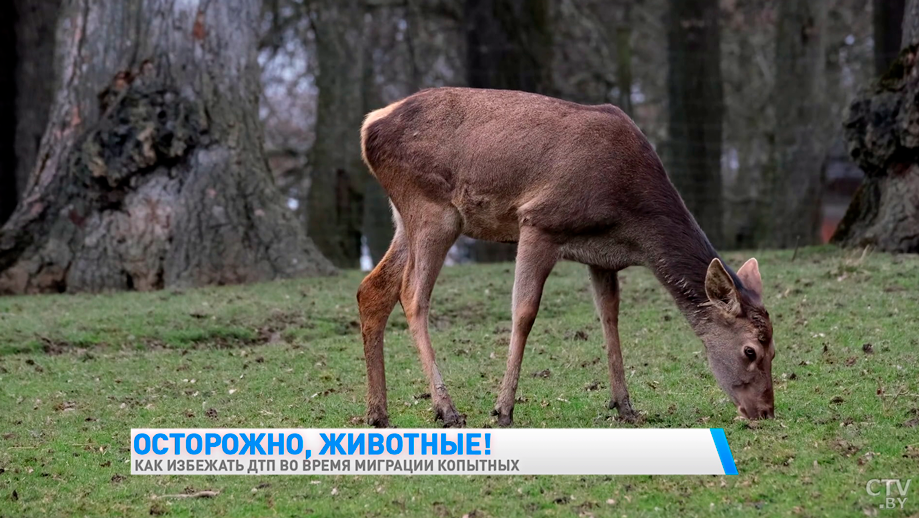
point(724, 451)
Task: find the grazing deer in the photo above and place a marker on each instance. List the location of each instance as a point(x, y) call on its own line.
point(563, 181)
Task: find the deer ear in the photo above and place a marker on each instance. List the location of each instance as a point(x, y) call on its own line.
point(720, 289)
point(749, 276)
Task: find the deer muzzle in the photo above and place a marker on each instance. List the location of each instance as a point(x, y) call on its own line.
point(759, 406)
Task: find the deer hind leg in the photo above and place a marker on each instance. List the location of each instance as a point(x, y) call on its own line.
point(606, 297)
point(376, 298)
point(536, 256)
point(431, 233)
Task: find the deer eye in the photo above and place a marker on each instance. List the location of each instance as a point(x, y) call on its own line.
point(750, 353)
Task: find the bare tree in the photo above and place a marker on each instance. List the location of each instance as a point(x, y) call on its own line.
point(623, 37)
point(885, 143)
point(377, 226)
point(509, 47)
point(748, 52)
point(8, 193)
point(795, 182)
point(509, 44)
point(888, 32)
point(151, 173)
point(409, 45)
point(696, 110)
point(393, 40)
point(335, 203)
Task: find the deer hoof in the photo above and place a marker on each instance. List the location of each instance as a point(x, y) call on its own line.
point(505, 419)
point(451, 418)
point(626, 413)
point(379, 421)
point(630, 417)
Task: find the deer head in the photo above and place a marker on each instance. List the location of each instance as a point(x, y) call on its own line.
point(738, 338)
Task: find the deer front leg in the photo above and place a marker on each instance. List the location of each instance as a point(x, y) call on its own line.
point(606, 296)
point(536, 255)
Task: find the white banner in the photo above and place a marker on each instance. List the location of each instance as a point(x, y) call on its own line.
point(217, 451)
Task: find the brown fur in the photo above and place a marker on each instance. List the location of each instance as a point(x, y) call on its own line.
point(564, 181)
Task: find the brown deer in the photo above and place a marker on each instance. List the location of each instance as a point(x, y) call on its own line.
point(563, 181)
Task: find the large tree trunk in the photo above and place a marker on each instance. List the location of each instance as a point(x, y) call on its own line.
point(795, 182)
point(35, 81)
point(335, 203)
point(508, 46)
point(8, 193)
point(696, 106)
point(888, 33)
point(151, 173)
point(26, 91)
point(883, 138)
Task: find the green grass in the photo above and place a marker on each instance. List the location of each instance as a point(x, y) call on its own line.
point(78, 372)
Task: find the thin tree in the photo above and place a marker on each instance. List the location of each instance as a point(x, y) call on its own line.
point(151, 173)
point(884, 213)
point(8, 193)
point(623, 38)
point(390, 73)
point(795, 181)
point(377, 226)
point(509, 44)
point(696, 110)
point(338, 178)
point(509, 47)
point(888, 32)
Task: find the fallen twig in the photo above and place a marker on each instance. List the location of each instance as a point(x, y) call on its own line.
point(199, 494)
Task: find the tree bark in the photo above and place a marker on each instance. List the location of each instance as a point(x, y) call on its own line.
point(151, 173)
point(335, 203)
point(882, 133)
point(696, 110)
point(795, 182)
point(508, 46)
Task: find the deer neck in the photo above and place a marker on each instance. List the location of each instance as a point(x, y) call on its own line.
point(679, 256)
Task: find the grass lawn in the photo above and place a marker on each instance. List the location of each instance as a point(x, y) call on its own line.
point(78, 372)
